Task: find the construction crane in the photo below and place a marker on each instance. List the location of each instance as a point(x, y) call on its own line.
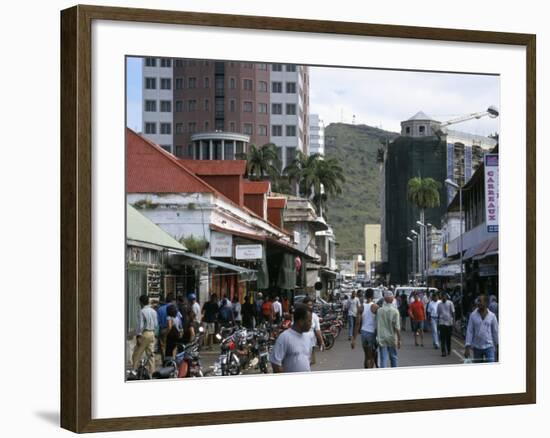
point(492, 112)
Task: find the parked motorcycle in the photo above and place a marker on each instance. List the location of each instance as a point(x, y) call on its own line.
point(186, 363)
point(141, 372)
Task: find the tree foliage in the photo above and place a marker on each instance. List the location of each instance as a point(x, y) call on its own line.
point(424, 192)
point(262, 162)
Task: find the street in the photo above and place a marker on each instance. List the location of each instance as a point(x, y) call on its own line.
point(342, 357)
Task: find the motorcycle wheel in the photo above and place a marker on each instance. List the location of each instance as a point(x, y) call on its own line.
point(263, 366)
point(329, 341)
point(234, 367)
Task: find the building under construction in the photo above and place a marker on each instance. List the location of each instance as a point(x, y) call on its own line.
point(427, 150)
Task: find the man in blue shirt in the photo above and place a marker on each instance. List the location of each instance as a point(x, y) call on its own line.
point(482, 333)
point(162, 316)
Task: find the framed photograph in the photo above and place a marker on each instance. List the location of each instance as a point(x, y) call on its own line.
point(278, 209)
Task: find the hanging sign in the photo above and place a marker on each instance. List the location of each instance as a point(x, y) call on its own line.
point(491, 192)
point(248, 252)
point(221, 244)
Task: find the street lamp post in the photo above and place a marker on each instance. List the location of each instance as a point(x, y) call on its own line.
point(374, 267)
point(419, 245)
point(413, 261)
point(425, 253)
point(455, 186)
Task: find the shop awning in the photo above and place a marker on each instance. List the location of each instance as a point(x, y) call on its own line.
point(492, 249)
point(329, 272)
point(478, 251)
point(217, 263)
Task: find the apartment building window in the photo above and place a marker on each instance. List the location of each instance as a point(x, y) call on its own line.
point(247, 65)
point(150, 106)
point(232, 105)
point(179, 83)
point(206, 105)
point(231, 126)
point(192, 83)
point(247, 107)
point(165, 62)
point(166, 84)
point(165, 106)
point(231, 83)
point(166, 128)
point(206, 82)
point(291, 67)
point(179, 106)
point(248, 128)
point(262, 66)
point(220, 107)
point(247, 84)
point(179, 150)
point(262, 130)
point(291, 87)
point(262, 108)
point(291, 130)
point(179, 128)
point(192, 127)
point(206, 126)
point(150, 83)
point(166, 147)
point(179, 64)
point(150, 62)
point(290, 154)
point(276, 108)
point(262, 86)
point(218, 125)
point(276, 130)
point(276, 87)
point(291, 109)
point(276, 67)
point(192, 105)
point(421, 130)
point(150, 128)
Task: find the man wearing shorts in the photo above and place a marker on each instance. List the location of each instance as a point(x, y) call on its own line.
point(417, 312)
point(366, 323)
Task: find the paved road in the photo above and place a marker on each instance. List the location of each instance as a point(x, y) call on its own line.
point(342, 357)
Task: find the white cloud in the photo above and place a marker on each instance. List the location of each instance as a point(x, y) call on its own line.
point(385, 98)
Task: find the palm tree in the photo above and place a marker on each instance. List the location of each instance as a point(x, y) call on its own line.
point(262, 161)
point(316, 177)
point(424, 193)
point(297, 168)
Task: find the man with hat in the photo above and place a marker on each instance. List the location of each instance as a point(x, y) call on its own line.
point(388, 323)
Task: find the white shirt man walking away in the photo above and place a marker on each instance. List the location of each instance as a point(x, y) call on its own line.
point(147, 325)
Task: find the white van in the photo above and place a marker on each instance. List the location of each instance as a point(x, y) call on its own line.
point(420, 291)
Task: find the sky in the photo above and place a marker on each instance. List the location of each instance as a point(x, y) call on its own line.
point(380, 98)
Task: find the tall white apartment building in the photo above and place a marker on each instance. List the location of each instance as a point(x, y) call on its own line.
point(316, 135)
point(157, 110)
point(289, 101)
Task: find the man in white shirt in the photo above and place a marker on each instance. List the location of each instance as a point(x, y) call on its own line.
point(277, 310)
point(315, 331)
point(195, 307)
point(352, 314)
point(432, 315)
point(291, 352)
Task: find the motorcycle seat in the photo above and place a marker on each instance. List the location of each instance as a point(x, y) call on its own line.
point(163, 372)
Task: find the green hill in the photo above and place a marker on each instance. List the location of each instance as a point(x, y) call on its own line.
point(356, 147)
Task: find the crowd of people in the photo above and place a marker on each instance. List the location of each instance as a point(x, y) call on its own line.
point(378, 324)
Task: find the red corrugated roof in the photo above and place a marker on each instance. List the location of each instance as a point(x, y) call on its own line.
point(216, 167)
point(150, 169)
point(276, 202)
point(256, 187)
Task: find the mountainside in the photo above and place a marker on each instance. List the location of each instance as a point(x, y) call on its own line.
point(356, 148)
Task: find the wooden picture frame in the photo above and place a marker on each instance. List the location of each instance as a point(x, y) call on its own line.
point(76, 217)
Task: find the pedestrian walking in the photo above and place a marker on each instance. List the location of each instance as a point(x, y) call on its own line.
point(209, 315)
point(352, 313)
point(388, 331)
point(277, 310)
point(267, 310)
point(195, 307)
point(433, 318)
point(226, 312)
point(417, 313)
point(345, 309)
point(248, 312)
point(175, 330)
point(493, 305)
point(237, 308)
point(147, 325)
point(162, 315)
point(315, 330)
point(482, 333)
point(292, 350)
point(446, 318)
point(366, 324)
point(404, 311)
point(259, 304)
